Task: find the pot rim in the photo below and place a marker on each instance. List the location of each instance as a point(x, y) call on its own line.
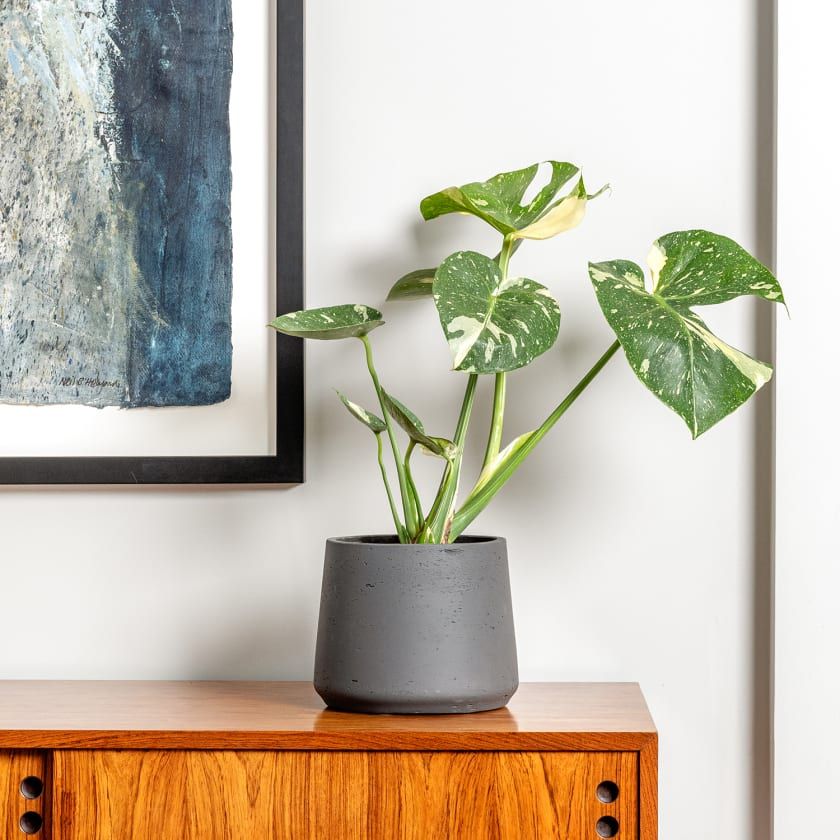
point(392, 542)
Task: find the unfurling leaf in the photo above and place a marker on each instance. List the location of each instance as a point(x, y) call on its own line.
point(374, 423)
point(492, 326)
point(331, 322)
point(668, 346)
point(411, 425)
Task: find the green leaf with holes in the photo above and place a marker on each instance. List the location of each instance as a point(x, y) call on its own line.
point(367, 418)
point(331, 322)
point(492, 325)
point(410, 423)
point(499, 201)
point(668, 346)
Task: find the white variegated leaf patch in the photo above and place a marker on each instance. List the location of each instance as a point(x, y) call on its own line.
point(566, 214)
point(669, 347)
point(331, 322)
point(492, 325)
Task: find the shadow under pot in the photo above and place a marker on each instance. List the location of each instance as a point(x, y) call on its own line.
point(416, 629)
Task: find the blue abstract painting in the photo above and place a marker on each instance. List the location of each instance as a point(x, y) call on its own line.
point(115, 202)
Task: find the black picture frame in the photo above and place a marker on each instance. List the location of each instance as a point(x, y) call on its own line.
point(287, 465)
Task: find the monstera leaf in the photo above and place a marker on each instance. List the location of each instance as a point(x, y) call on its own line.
point(499, 200)
point(411, 425)
point(367, 418)
point(331, 322)
point(492, 325)
point(669, 347)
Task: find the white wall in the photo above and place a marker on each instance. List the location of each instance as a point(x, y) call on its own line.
point(807, 679)
point(633, 549)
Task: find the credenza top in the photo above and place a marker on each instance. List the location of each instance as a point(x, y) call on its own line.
point(289, 715)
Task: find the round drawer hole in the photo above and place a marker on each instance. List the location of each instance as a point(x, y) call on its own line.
point(607, 792)
point(30, 823)
point(31, 787)
point(607, 827)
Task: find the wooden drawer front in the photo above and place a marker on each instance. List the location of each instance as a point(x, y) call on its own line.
point(132, 795)
point(14, 768)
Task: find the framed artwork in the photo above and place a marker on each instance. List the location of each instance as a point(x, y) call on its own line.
point(151, 224)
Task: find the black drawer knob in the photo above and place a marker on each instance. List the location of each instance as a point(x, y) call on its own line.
point(607, 792)
point(607, 827)
point(30, 823)
point(31, 787)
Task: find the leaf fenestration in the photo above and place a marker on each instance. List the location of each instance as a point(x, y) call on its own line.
point(668, 346)
point(499, 200)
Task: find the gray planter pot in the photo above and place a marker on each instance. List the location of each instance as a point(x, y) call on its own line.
point(416, 629)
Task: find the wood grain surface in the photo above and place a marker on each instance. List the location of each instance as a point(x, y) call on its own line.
point(649, 790)
point(135, 795)
point(290, 716)
point(14, 768)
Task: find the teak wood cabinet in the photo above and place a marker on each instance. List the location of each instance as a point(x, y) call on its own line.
point(262, 760)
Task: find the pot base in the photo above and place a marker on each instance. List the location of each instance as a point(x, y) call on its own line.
point(413, 705)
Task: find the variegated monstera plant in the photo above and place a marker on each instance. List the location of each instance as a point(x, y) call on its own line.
point(496, 323)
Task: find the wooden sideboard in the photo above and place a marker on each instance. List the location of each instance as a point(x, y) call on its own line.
point(266, 760)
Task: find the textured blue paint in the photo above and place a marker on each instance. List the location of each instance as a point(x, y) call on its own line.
point(115, 200)
point(172, 91)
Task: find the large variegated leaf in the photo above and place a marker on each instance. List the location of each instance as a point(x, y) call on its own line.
point(413, 427)
point(374, 423)
point(492, 325)
point(499, 201)
point(330, 322)
point(668, 346)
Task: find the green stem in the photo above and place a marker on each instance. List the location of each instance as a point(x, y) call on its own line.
point(426, 532)
point(412, 487)
point(440, 519)
point(497, 419)
point(480, 498)
point(508, 247)
point(408, 508)
point(397, 523)
point(494, 441)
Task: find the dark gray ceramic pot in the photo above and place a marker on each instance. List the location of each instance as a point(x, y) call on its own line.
point(416, 629)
